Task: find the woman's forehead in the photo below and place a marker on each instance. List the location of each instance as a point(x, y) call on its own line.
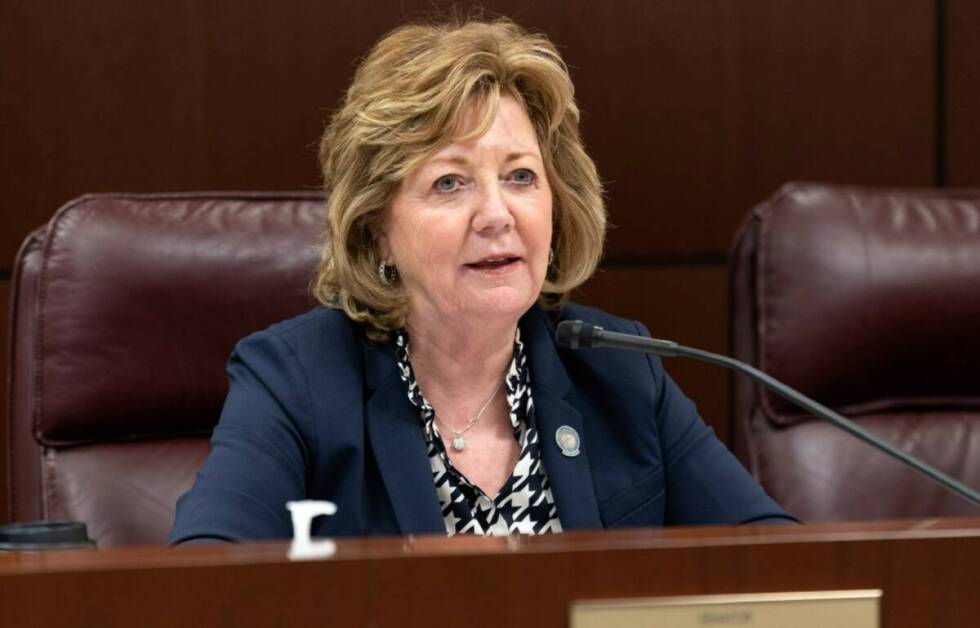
point(508, 132)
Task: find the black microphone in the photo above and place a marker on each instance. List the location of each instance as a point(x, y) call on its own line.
point(581, 335)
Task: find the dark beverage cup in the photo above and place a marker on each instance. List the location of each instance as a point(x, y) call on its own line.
point(44, 535)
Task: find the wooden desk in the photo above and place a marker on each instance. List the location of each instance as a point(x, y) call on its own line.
point(928, 571)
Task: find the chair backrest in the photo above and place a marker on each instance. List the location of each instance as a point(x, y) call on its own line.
point(867, 300)
point(124, 311)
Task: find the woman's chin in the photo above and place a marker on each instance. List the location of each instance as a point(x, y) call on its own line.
point(503, 303)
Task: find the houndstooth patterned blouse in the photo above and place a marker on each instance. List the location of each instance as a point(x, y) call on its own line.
point(524, 504)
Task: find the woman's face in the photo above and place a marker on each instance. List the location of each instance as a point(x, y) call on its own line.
point(470, 229)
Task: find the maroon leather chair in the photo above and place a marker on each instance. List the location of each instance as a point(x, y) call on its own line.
point(124, 311)
point(867, 300)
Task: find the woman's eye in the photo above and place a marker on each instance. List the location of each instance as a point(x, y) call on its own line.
point(523, 176)
point(446, 183)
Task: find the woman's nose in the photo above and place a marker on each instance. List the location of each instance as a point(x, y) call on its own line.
point(492, 212)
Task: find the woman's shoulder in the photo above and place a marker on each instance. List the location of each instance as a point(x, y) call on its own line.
point(306, 336)
point(586, 365)
point(320, 319)
point(575, 311)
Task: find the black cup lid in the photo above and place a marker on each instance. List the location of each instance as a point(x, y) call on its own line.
point(36, 534)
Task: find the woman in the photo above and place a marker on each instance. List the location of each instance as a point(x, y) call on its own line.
point(427, 394)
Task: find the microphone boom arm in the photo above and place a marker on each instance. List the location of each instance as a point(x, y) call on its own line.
point(598, 337)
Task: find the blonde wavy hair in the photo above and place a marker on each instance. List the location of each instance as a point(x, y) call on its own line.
point(404, 104)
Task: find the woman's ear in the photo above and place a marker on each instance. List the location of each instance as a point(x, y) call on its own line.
point(384, 251)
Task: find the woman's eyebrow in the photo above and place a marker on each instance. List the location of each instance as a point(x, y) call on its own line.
point(521, 155)
point(455, 160)
point(459, 160)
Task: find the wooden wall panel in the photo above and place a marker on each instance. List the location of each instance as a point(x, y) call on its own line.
point(687, 304)
point(963, 93)
point(183, 95)
point(696, 111)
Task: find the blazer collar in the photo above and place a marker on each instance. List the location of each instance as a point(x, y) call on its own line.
point(570, 477)
point(396, 438)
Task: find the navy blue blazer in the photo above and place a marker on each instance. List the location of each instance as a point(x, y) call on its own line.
point(316, 410)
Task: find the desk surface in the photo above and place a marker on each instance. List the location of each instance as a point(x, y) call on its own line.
point(927, 570)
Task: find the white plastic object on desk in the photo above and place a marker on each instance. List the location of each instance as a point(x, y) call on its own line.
point(303, 513)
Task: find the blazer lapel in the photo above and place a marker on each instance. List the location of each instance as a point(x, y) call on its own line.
point(570, 476)
point(398, 443)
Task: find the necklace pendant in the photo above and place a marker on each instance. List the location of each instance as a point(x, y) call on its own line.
point(459, 444)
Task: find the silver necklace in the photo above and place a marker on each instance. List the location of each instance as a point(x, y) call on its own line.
point(459, 443)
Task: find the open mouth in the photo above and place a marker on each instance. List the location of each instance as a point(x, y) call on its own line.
point(491, 263)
